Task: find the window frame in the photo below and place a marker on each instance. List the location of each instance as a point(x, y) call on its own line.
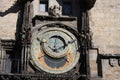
point(36, 8)
point(43, 3)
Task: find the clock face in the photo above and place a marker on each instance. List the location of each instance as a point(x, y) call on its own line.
point(56, 43)
point(54, 50)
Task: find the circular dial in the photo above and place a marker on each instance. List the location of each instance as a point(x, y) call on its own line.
point(56, 43)
point(54, 50)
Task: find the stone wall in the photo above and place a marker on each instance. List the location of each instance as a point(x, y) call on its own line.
point(8, 19)
point(105, 26)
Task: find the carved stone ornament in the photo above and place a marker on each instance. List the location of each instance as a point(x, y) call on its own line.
point(113, 62)
point(119, 61)
point(54, 11)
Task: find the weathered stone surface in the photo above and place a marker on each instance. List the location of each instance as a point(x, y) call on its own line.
point(110, 73)
point(7, 20)
point(105, 26)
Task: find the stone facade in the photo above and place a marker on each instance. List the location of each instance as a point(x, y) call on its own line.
point(105, 26)
point(8, 20)
point(104, 23)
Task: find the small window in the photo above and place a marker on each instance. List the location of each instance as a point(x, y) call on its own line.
point(67, 8)
point(43, 6)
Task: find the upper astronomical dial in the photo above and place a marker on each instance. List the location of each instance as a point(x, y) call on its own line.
point(55, 45)
point(54, 50)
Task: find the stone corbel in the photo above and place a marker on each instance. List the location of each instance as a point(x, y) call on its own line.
point(119, 61)
point(113, 62)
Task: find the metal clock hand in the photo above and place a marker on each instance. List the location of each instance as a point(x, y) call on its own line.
point(54, 50)
point(55, 43)
point(69, 42)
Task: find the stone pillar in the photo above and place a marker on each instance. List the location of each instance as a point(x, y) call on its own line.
point(0, 56)
point(93, 64)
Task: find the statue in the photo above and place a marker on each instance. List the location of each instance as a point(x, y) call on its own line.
point(55, 11)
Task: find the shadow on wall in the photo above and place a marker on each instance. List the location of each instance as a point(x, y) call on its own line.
point(17, 7)
point(13, 9)
point(90, 3)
